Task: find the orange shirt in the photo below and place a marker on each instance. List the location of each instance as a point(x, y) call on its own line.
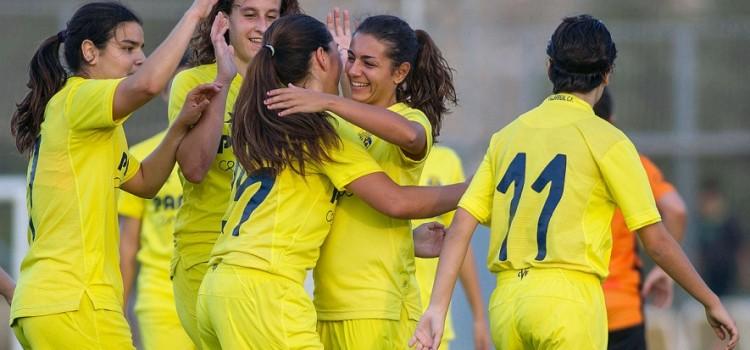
point(622, 288)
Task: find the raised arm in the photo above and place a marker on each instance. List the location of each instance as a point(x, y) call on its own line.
point(198, 151)
point(155, 169)
point(390, 126)
point(666, 253)
point(151, 78)
point(406, 202)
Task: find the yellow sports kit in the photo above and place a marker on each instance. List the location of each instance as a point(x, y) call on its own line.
point(548, 186)
point(154, 305)
point(198, 221)
point(69, 294)
point(366, 271)
point(252, 296)
point(442, 167)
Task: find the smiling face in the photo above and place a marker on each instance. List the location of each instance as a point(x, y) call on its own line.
point(248, 20)
point(371, 72)
point(122, 55)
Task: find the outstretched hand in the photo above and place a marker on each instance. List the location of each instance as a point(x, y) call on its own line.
point(292, 100)
point(202, 7)
point(224, 52)
point(196, 102)
point(339, 24)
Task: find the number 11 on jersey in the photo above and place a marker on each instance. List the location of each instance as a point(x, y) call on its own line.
point(553, 174)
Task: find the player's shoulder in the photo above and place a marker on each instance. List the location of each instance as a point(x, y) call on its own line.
point(198, 74)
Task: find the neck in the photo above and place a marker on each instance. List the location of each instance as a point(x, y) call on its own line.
point(241, 66)
point(591, 97)
point(313, 84)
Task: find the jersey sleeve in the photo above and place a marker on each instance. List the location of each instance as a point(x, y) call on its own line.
point(130, 205)
point(479, 196)
point(133, 165)
point(659, 186)
point(182, 83)
point(628, 185)
point(90, 104)
point(416, 115)
point(350, 161)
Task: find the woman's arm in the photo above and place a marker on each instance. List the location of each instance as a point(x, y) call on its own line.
point(429, 331)
point(406, 202)
point(155, 169)
point(198, 150)
point(130, 235)
point(470, 282)
point(151, 78)
point(390, 126)
point(7, 286)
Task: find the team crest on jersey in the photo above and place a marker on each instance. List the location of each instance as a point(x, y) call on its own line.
point(366, 138)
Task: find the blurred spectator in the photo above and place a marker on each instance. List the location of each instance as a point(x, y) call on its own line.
point(720, 239)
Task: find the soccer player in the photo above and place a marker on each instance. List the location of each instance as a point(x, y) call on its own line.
point(206, 160)
point(366, 292)
point(7, 285)
point(549, 184)
point(622, 288)
point(284, 195)
point(443, 166)
point(69, 293)
point(146, 228)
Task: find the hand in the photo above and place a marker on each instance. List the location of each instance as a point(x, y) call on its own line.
point(224, 52)
point(429, 331)
point(428, 240)
point(660, 286)
point(341, 30)
point(196, 102)
point(723, 325)
point(201, 8)
point(482, 339)
point(292, 100)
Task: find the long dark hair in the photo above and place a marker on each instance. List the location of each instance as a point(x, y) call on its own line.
point(203, 50)
point(429, 84)
point(581, 52)
point(262, 139)
point(95, 22)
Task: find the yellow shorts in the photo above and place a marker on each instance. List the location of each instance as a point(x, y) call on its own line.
point(161, 328)
point(186, 281)
point(545, 308)
point(367, 334)
point(243, 308)
point(85, 328)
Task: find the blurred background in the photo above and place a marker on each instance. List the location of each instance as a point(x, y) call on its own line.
point(680, 88)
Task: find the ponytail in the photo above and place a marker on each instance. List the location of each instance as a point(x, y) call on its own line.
point(429, 85)
point(46, 77)
point(260, 138)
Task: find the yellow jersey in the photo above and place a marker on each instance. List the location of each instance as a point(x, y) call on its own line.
point(549, 184)
point(278, 223)
point(442, 167)
point(79, 160)
point(198, 221)
point(366, 267)
point(157, 227)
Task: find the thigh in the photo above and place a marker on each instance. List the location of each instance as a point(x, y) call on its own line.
point(84, 329)
point(186, 282)
point(242, 308)
point(161, 329)
point(365, 334)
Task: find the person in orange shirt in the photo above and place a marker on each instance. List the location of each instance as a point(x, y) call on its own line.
point(623, 294)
